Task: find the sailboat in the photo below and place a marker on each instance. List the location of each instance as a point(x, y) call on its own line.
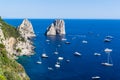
point(39, 61)
point(44, 55)
point(108, 61)
point(56, 52)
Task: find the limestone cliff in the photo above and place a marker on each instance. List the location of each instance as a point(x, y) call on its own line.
point(27, 32)
point(9, 68)
point(26, 29)
point(57, 27)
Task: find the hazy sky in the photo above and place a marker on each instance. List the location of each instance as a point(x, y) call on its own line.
point(90, 9)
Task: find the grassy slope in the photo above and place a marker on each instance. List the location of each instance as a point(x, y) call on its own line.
point(9, 68)
point(8, 30)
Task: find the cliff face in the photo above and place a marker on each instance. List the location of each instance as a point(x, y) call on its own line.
point(14, 42)
point(27, 32)
point(57, 27)
point(26, 29)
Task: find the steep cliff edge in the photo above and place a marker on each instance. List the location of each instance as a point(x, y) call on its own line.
point(14, 42)
point(26, 31)
point(57, 27)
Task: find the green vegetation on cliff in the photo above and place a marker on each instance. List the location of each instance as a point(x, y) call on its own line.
point(9, 68)
point(8, 30)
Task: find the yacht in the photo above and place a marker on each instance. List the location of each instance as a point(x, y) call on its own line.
point(39, 61)
point(77, 54)
point(47, 40)
point(107, 40)
point(58, 45)
point(60, 58)
point(68, 60)
point(50, 68)
point(95, 77)
point(107, 50)
point(107, 64)
point(97, 54)
point(44, 55)
point(84, 41)
point(67, 42)
point(57, 65)
point(63, 39)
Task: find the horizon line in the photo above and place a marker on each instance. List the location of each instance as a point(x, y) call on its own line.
point(70, 18)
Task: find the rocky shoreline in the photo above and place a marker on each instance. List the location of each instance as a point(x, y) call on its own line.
point(13, 43)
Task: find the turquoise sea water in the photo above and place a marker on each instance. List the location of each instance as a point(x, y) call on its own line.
point(79, 68)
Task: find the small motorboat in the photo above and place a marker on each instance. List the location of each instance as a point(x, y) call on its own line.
point(44, 55)
point(67, 60)
point(107, 40)
point(97, 54)
point(50, 68)
point(57, 65)
point(47, 40)
point(107, 50)
point(67, 42)
point(39, 62)
point(95, 77)
point(58, 45)
point(56, 52)
point(60, 58)
point(84, 41)
point(63, 39)
point(107, 64)
point(77, 54)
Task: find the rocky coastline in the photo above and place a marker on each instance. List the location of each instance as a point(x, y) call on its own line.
point(13, 43)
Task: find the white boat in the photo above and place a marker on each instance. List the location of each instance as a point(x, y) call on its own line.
point(107, 64)
point(68, 60)
point(39, 61)
point(50, 68)
point(63, 39)
point(77, 54)
point(44, 55)
point(58, 45)
point(96, 77)
point(57, 65)
point(47, 40)
point(84, 41)
point(56, 52)
point(60, 58)
point(107, 40)
point(67, 42)
point(109, 59)
point(97, 54)
point(107, 50)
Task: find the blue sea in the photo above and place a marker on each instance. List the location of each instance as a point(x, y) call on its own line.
point(80, 67)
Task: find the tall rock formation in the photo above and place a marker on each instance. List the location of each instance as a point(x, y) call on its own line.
point(27, 32)
point(57, 27)
point(26, 29)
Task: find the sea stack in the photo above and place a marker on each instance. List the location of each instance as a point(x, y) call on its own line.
point(26, 29)
point(56, 28)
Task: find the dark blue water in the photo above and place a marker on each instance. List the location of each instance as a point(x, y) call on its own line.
point(79, 68)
